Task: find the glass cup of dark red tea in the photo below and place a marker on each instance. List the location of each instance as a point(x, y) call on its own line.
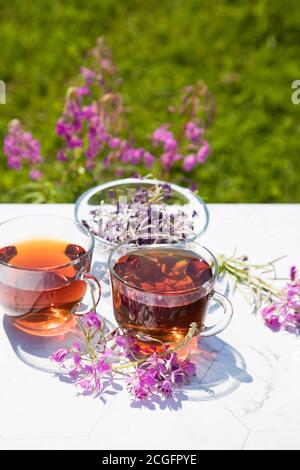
point(45, 275)
point(160, 286)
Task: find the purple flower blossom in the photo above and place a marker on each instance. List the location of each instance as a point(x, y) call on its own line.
point(88, 369)
point(161, 135)
point(35, 174)
point(20, 146)
point(170, 145)
point(273, 322)
point(166, 388)
point(59, 356)
point(189, 162)
point(91, 320)
point(188, 367)
point(82, 91)
point(168, 159)
point(127, 343)
point(103, 366)
point(77, 359)
point(74, 373)
point(74, 142)
point(203, 152)
point(114, 142)
point(88, 74)
point(284, 312)
point(160, 375)
point(156, 364)
point(293, 273)
point(85, 385)
point(148, 160)
point(62, 156)
point(193, 132)
point(61, 128)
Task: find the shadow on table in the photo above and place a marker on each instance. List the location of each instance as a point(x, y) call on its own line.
point(100, 270)
point(35, 350)
point(221, 370)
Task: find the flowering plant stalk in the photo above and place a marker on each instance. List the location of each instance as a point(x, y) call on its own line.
point(101, 356)
point(95, 141)
point(279, 306)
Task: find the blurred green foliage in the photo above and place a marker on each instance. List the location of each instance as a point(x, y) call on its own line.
point(246, 51)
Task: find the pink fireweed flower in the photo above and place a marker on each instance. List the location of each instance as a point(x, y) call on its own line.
point(82, 91)
point(106, 64)
point(137, 155)
point(189, 162)
point(20, 146)
point(59, 356)
point(161, 135)
point(293, 273)
point(74, 142)
point(168, 159)
point(91, 320)
point(166, 388)
point(85, 385)
point(148, 160)
point(160, 375)
point(103, 366)
point(127, 343)
point(88, 74)
point(74, 373)
point(61, 128)
point(193, 132)
point(88, 369)
point(284, 312)
point(89, 111)
point(188, 368)
point(62, 156)
point(156, 364)
point(77, 359)
point(35, 174)
point(203, 152)
point(114, 142)
point(170, 145)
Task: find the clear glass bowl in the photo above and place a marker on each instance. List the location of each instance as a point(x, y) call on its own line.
point(102, 209)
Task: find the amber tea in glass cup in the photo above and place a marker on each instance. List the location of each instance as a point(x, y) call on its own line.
point(160, 286)
point(45, 275)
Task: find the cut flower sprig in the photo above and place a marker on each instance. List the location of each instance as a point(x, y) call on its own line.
point(102, 356)
point(279, 306)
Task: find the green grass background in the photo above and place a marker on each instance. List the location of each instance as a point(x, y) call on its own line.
point(247, 52)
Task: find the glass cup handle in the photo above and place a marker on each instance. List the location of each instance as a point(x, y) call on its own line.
point(226, 317)
point(95, 289)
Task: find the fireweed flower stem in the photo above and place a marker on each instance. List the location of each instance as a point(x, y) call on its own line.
point(279, 307)
point(86, 339)
point(249, 275)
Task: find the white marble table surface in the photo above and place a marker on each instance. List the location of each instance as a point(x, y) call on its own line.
point(247, 395)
